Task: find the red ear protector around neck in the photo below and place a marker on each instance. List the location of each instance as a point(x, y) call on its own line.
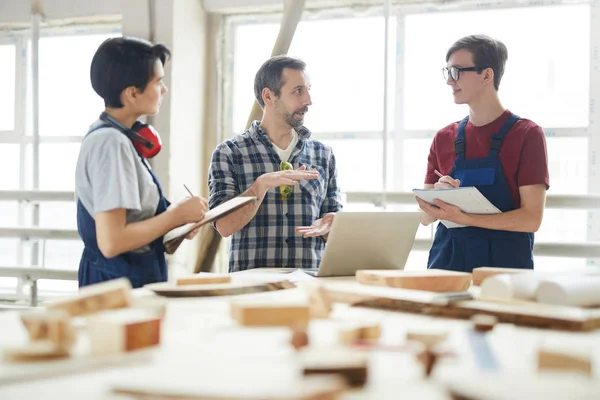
point(145, 138)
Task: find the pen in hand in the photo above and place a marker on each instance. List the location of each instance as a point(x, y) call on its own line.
point(435, 170)
point(189, 191)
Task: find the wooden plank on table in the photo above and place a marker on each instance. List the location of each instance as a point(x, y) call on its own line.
point(526, 314)
point(435, 280)
point(203, 279)
point(269, 314)
point(236, 287)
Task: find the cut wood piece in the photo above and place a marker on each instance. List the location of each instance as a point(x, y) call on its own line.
point(123, 330)
point(583, 291)
point(317, 387)
point(268, 314)
point(484, 323)
point(351, 364)
point(479, 274)
point(318, 301)
point(353, 334)
point(520, 313)
point(299, 338)
point(237, 286)
point(54, 325)
point(432, 280)
point(552, 359)
point(428, 358)
point(203, 279)
point(37, 350)
point(429, 337)
point(102, 296)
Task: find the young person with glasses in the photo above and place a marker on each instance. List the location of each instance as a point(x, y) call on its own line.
point(502, 155)
point(293, 176)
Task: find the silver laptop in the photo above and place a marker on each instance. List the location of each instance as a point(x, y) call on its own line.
point(368, 240)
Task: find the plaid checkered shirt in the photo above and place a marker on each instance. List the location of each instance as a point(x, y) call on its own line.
point(270, 239)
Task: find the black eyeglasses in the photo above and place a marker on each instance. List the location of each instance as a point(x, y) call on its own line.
point(454, 72)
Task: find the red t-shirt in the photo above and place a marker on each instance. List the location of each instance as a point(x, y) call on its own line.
point(523, 154)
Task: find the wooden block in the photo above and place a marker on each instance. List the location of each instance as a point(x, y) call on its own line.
point(353, 334)
point(54, 325)
point(428, 358)
point(549, 359)
point(267, 314)
point(479, 274)
point(484, 323)
point(299, 338)
point(38, 350)
point(432, 280)
point(429, 338)
point(318, 301)
point(204, 279)
point(123, 330)
point(352, 365)
point(102, 296)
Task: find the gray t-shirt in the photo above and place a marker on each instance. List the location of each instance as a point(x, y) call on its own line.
point(110, 174)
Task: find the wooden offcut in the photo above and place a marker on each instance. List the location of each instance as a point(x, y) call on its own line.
point(359, 332)
point(429, 338)
point(122, 331)
point(430, 280)
point(204, 279)
point(90, 299)
point(351, 364)
point(52, 325)
point(319, 301)
point(37, 350)
point(563, 360)
point(483, 323)
point(479, 274)
point(268, 314)
point(521, 313)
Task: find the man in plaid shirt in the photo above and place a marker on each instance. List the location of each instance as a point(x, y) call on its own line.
point(276, 230)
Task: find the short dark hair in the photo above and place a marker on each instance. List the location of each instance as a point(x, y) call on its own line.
point(269, 75)
point(487, 53)
point(123, 62)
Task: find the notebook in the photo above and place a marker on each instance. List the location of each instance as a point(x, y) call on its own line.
point(173, 238)
point(468, 199)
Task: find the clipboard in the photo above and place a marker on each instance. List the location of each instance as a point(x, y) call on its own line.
point(174, 237)
point(469, 199)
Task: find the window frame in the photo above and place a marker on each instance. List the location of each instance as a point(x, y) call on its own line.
point(399, 134)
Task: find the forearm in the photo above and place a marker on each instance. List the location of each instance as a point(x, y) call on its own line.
point(520, 220)
point(119, 240)
point(235, 221)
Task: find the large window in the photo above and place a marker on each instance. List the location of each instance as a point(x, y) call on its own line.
point(547, 80)
point(67, 107)
point(7, 95)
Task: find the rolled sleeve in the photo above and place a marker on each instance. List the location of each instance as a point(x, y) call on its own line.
point(222, 182)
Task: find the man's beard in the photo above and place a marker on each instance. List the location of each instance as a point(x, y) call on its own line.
point(293, 122)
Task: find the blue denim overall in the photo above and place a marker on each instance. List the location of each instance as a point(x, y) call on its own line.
point(140, 267)
point(462, 249)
